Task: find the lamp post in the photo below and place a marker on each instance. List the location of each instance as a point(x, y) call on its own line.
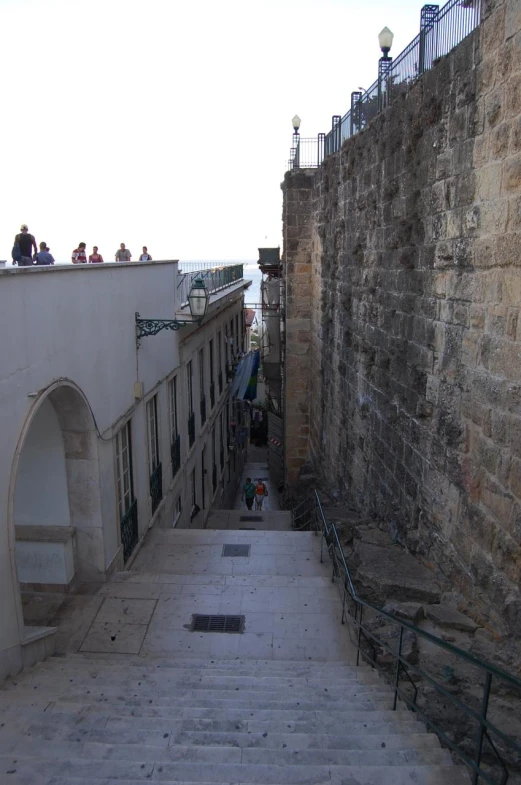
point(385, 40)
point(198, 299)
point(295, 150)
point(296, 124)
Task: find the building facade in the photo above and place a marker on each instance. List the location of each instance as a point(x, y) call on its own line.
point(105, 435)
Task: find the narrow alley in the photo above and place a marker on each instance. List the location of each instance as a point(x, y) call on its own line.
point(137, 695)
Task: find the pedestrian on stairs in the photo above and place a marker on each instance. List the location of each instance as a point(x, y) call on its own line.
point(260, 492)
point(248, 492)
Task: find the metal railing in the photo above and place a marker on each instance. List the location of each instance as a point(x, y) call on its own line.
point(128, 527)
point(156, 487)
point(191, 429)
point(215, 280)
point(175, 454)
point(483, 751)
point(202, 407)
point(441, 29)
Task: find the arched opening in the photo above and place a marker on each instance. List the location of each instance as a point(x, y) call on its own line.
point(57, 500)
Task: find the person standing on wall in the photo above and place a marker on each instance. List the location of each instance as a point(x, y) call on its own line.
point(248, 493)
point(95, 257)
point(79, 255)
point(23, 247)
point(260, 492)
point(43, 256)
point(123, 254)
point(145, 256)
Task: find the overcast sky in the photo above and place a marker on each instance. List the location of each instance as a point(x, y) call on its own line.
point(168, 123)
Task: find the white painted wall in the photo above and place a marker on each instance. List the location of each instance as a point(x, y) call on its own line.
point(41, 496)
point(75, 325)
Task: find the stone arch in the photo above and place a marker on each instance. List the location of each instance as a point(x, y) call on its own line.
point(55, 516)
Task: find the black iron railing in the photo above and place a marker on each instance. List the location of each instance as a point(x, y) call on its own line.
point(212, 394)
point(129, 530)
point(215, 279)
point(220, 379)
point(441, 29)
point(191, 429)
point(486, 762)
point(156, 487)
point(203, 410)
point(175, 452)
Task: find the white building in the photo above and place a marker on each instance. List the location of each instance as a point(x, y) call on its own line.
point(103, 435)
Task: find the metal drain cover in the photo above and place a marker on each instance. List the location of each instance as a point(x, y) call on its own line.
point(202, 623)
point(251, 518)
point(236, 550)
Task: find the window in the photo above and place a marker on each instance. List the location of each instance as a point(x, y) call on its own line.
point(201, 387)
point(127, 505)
point(238, 346)
point(154, 464)
point(190, 383)
point(220, 361)
point(203, 478)
point(212, 379)
point(232, 341)
point(175, 439)
point(178, 509)
point(214, 463)
point(191, 414)
point(221, 441)
point(193, 495)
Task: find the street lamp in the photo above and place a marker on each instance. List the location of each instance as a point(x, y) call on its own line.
point(385, 39)
point(296, 124)
point(198, 299)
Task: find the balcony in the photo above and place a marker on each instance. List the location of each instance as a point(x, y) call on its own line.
point(191, 429)
point(203, 411)
point(156, 487)
point(212, 394)
point(175, 452)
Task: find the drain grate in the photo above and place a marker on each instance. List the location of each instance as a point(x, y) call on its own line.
point(202, 623)
point(236, 550)
point(251, 518)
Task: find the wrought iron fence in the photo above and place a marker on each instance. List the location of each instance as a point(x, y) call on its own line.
point(493, 752)
point(156, 487)
point(441, 29)
point(175, 453)
point(129, 530)
point(191, 429)
point(215, 279)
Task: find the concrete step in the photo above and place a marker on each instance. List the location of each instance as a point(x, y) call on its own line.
point(290, 667)
point(95, 772)
point(28, 749)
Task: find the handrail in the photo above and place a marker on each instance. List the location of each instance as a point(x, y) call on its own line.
point(402, 665)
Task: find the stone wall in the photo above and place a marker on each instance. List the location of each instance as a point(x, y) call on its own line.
point(414, 346)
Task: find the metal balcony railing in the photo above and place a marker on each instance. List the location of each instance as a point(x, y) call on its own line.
point(156, 487)
point(191, 429)
point(215, 279)
point(128, 527)
point(175, 452)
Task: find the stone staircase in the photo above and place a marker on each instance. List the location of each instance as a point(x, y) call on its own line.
point(206, 708)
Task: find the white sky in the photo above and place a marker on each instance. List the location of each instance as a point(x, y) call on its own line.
point(167, 123)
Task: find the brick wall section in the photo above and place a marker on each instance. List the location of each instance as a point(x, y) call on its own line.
point(298, 223)
point(415, 367)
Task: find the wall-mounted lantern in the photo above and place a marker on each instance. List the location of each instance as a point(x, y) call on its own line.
point(198, 300)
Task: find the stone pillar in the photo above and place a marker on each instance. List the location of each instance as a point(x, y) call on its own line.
point(297, 232)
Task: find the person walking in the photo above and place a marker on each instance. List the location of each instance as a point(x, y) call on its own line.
point(123, 254)
point(260, 492)
point(43, 256)
point(95, 257)
point(23, 247)
point(248, 493)
point(145, 256)
point(79, 255)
